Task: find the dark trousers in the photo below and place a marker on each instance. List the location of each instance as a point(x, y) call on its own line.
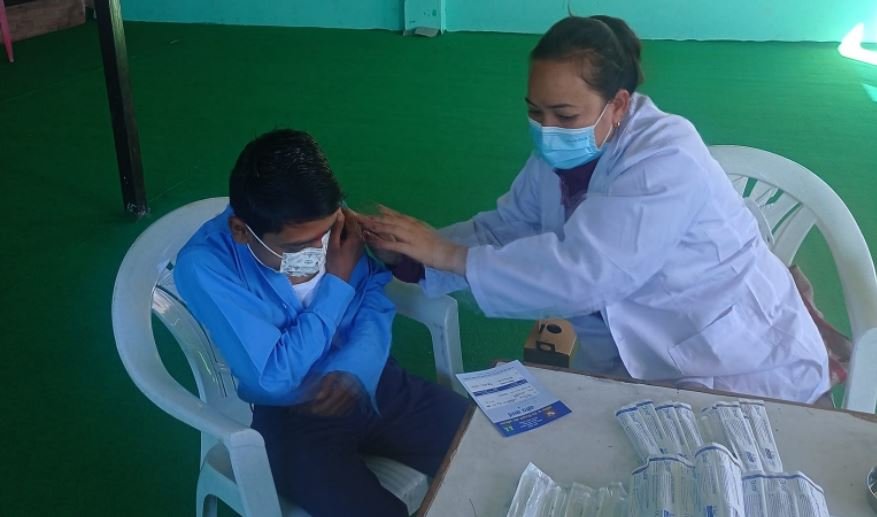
point(316, 461)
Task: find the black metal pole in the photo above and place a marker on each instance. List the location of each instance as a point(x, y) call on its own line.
point(115, 58)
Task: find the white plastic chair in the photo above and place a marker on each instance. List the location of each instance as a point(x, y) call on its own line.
point(234, 465)
point(788, 200)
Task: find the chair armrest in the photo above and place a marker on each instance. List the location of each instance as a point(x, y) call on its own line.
point(861, 388)
point(252, 474)
point(859, 283)
point(246, 447)
point(441, 317)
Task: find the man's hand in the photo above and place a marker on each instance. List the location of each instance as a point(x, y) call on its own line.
point(345, 246)
point(337, 394)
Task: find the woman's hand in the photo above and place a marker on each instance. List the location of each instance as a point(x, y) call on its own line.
point(390, 258)
point(395, 232)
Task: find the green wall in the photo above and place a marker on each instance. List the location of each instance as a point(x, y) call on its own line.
point(342, 14)
point(749, 20)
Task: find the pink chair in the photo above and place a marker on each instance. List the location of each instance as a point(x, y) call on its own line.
point(4, 29)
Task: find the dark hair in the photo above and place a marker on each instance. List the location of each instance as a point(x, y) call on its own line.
point(282, 178)
point(607, 47)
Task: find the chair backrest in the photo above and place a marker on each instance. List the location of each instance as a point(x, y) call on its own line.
point(145, 287)
point(4, 33)
point(788, 200)
point(758, 175)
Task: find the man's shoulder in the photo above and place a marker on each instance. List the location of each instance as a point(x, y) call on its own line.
point(368, 269)
point(211, 247)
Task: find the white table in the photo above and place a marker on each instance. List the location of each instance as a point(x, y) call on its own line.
point(836, 449)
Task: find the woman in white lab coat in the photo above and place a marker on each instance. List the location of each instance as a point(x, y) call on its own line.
point(622, 223)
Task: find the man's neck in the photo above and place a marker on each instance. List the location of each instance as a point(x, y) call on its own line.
point(295, 280)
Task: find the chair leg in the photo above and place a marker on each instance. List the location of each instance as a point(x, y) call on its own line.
point(206, 505)
point(4, 29)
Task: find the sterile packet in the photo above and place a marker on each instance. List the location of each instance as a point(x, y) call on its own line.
point(676, 440)
point(644, 442)
point(730, 428)
point(718, 476)
point(653, 423)
point(663, 486)
point(756, 416)
point(533, 487)
point(783, 495)
point(689, 426)
point(580, 502)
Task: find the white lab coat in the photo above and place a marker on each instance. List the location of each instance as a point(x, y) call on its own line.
point(665, 249)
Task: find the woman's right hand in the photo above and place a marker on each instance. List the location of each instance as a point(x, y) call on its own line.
point(390, 258)
point(394, 232)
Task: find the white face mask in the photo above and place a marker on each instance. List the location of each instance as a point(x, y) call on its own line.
point(306, 262)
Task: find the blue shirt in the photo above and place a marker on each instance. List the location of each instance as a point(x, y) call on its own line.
point(275, 347)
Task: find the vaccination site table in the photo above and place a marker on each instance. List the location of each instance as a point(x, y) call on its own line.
point(837, 449)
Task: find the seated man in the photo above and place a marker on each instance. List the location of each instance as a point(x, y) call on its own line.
point(282, 285)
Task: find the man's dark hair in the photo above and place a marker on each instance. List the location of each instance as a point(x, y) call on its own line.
point(282, 178)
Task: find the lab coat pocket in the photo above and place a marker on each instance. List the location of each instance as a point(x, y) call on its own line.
point(724, 347)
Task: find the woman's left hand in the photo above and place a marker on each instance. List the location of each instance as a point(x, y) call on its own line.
point(393, 231)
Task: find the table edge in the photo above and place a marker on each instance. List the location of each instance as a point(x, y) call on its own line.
point(858, 414)
point(439, 478)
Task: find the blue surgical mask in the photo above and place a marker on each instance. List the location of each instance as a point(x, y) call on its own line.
point(567, 148)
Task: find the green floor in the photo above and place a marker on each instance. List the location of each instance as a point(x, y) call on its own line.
point(432, 127)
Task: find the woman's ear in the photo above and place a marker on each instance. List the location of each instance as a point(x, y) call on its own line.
point(619, 106)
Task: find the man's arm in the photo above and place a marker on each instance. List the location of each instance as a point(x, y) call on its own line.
point(367, 346)
point(268, 360)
